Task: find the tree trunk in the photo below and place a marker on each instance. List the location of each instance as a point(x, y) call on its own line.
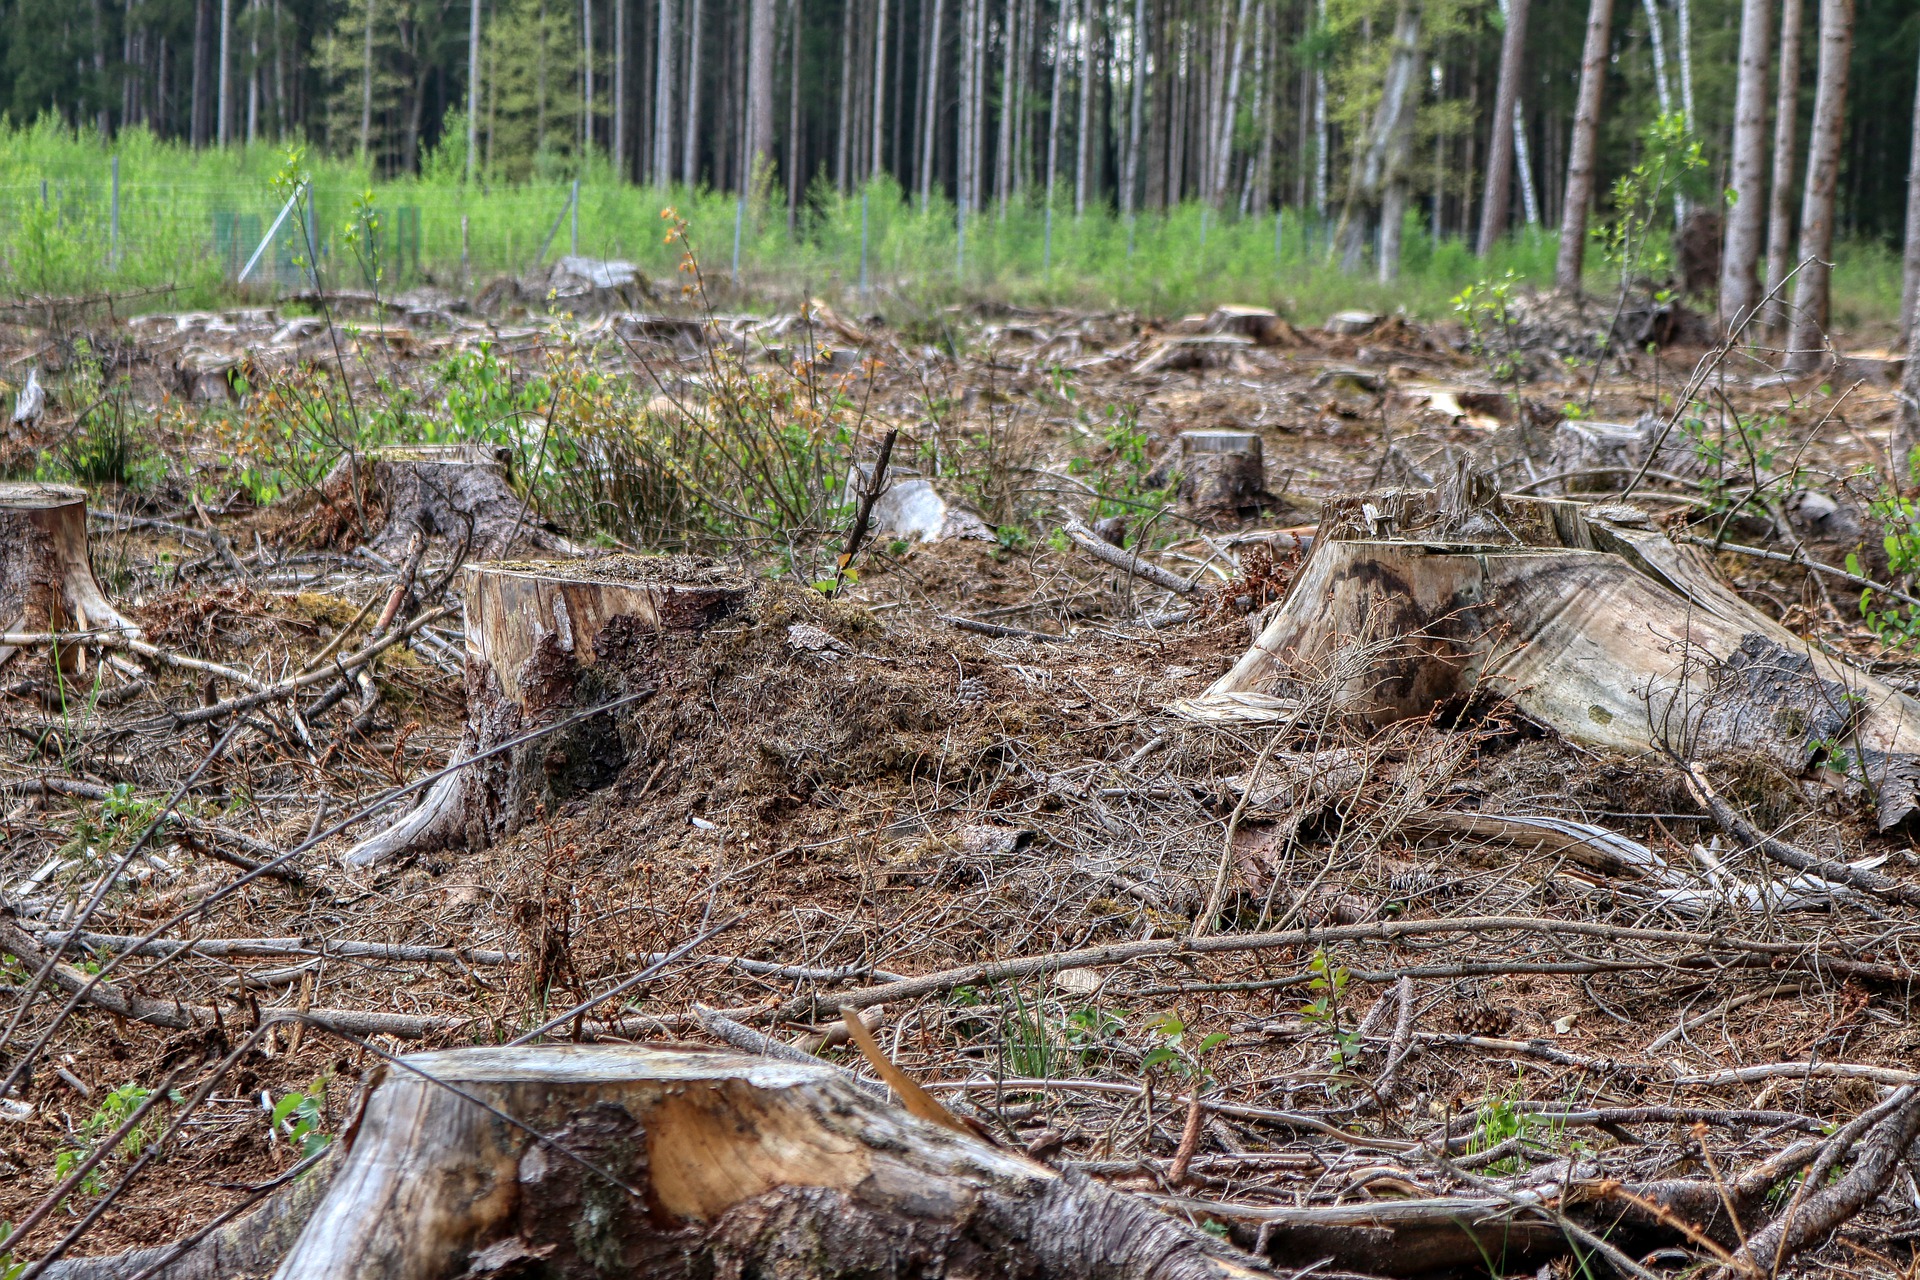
point(876, 147)
point(1657, 47)
point(1683, 36)
point(1003, 147)
point(1083, 137)
point(1377, 179)
point(760, 91)
point(1561, 602)
point(1906, 436)
point(618, 141)
point(224, 109)
point(1498, 197)
point(1807, 341)
point(1786, 120)
point(680, 1161)
point(1322, 137)
point(1064, 17)
point(1582, 156)
point(543, 643)
point(200, 110)
point(457, 492)
point(366, 84)
point(1910, 286)
point(661, 168)
point(1230, 101)
point(1739, 263)
point(796, 134)
point(473, 88)
point(46, 578)
point(690, 153)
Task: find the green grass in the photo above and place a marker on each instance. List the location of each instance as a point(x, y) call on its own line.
point(187, 220)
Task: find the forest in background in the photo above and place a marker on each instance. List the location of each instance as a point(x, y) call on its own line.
point(1355, 115)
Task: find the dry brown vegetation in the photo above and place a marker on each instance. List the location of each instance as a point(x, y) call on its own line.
point(1258, 969)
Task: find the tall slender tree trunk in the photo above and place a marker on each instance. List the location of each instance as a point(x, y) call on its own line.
point(253, 72)
point(366, 85)
point(662, 161)
point(1063, 18)
point(618, 139)
point(1786, 122)
point(586, 76)
point(876, 160)
point(1322, 140)
point(1910, 285)
point(1582, 154)
point(760, 90)
point(1523, 161)
point(930, 114)
point(223, 124)
point(473, 86)
point(1229, 108)
point(690, 147)
point(1657, 45)
point(1906, 430)
point(1683, 42)
point(1806, 345)
point(1083, 141)
point(796, 136)
point(199, 110)
point(843, 136)
point(1739, 261)
point(1136, 108)
point(1003, 145)
point(1266, 106)
point(1498, 198)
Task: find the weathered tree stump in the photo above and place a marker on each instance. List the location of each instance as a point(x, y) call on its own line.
point(46, 579)
point(680, 1161)
point(1222, 471)
point(458, 492)
point(545, 641)
point(1586, 619)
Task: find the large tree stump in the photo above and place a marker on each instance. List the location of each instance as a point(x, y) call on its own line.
point(545, 641)
point(460, 492)
point(1222, 472)
point(1586, 619)
point(46, 579)
point(684, 1162)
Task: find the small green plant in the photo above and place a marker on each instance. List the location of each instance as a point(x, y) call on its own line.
point(114, 1110)
point(1635, 240)
point(1329, 983)
point(1897, 625)
point(1176, 1051)
point(299, 1116)
point(9, 1269)
point(1486, 309)
point(362, 234)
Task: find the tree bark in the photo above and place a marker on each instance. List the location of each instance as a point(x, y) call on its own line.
point(1223, 142)
point(200, 111)
point(224, 110)
point(1498, 198)
point(1910, 284)
point(366, 84)
point(760, 91)
point(618, 141)
point(543, 643)
point(661, 168)
point(876, 147)
point(1059, 77)
point(458, 492)
point(690, 154)
point(1807, 340)
point(1786, 119)
point(1582, 156)
point(1083, 139)
point(46, 578)
point(1906, 435)
point(680, 1161)
point(473, 87)
point(1739, 263)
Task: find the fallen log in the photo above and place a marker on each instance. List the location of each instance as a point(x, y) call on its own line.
point(1585, 619)
point(545, 640)
point(462, 493)
point(679, 1161)
point(46, 580)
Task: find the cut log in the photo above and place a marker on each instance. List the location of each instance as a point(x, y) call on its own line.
point(1223, 472)
point(678, 1161)
point(1586, 619)
point(46, 579)
point(545, 641)
point(457, 492)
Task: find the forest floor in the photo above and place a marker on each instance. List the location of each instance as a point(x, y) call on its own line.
point(1332, 990)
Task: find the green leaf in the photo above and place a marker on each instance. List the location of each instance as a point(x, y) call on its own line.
point(286, 1107)
point(1217, 1038)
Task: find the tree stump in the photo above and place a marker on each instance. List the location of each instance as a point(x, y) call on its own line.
point(46, 579)
point(679, 1161)
point(458, 492)
point(1586, 619)
point(1222, 471)
point(545, 641)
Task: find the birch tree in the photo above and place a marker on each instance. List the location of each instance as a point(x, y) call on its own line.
point(1786, 120)
point(759, 89)
point(1739, 278)
point(661, 162)
point(1910, 285)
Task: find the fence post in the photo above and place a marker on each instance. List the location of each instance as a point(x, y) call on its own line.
point(574, 233)
point(739, 217)
point(113, 218)
point(863, 243)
